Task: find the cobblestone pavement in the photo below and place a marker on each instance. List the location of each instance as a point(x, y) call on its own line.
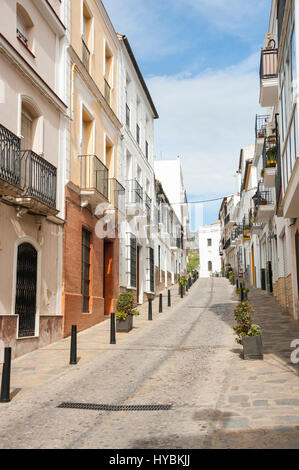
point(186, 358)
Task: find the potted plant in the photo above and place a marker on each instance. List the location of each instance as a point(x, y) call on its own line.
point(248, 333)
point(183, 281)
point(125, 312)
point(231, 277)
point(262, 172)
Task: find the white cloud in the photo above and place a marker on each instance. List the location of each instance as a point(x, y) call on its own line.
point(206, 120)
point(231, 16)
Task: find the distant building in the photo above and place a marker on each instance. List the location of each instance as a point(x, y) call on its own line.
point(209, 240)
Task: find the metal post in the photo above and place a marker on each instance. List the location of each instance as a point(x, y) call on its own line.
point(160, 304)
point(112, 329)
point(169, 298)
point(187, 287)
point(150, 309)
point(181, 291)
point(5, 384)
point(241, 293)
point(73, 356)
point(237, 283)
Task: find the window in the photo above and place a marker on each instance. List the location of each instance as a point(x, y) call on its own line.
point(210, 266)
point(85, 287)
point(24, 27)
point(209, 242)
point(133, 261)
point(108, 73)
point(128, 112)
point(31, 127)
point(138, 134)
point(146, 150)
point(86, 36)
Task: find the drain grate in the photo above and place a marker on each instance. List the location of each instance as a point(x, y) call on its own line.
point(102, 407)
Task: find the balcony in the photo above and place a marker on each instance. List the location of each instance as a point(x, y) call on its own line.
point(261, 122)
point(85, 55)
point(134, 198)
point(268, 78)
point(117, 195)
point(148, 206)
point(270, 158)
point(26, 176)
point(93, 180)
point(264, 205)
point(107, 91)
point(10, 163)
point(38, 179)
point(175, 243)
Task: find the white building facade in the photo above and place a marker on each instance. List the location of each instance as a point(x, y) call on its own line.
point(209, 257)
point(136, 173)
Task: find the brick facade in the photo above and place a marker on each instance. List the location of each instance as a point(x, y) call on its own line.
point(76, 219)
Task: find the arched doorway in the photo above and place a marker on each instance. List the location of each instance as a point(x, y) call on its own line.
point(26, 286)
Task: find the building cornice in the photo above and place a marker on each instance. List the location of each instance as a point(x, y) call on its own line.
point(27, 70)
point(50, 16)
point(108, 22)
point(94, 88)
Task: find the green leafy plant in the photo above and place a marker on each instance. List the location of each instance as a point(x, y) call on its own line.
point(125, 306)
point(183, 281)
point(245, 327)
point(262, 172)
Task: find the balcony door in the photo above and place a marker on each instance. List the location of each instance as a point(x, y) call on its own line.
point(108, 277)
point(26, 130)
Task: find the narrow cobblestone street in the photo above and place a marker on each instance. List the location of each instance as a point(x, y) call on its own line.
point(186, 358)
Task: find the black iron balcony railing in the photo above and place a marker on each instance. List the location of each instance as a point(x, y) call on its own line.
point(85, 54)
point(263, 198)
point(148, 205)
point(10, 158)
point(22, 37)
point(128, 116)
point(268, 67)
point(117, 195)
point(38, 177)
point(227, 219)
point(134, 192)
point(270, 152)
point(261, 126)
point(107, 91)
point(94, 174)
point(138, 134)
point(175, 241)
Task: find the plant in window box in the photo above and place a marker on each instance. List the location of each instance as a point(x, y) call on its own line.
point(248, 333)
point(125, 312)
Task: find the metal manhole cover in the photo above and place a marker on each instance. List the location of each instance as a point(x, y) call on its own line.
point(102, 407)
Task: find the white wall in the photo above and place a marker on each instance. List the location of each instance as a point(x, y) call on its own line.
point(211, 253)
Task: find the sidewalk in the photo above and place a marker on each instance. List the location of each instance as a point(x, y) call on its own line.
point(260, 402)
point(46, 364)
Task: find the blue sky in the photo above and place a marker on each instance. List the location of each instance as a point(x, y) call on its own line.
point(200, 59)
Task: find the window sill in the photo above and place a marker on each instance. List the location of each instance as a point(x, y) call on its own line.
point(26, 47)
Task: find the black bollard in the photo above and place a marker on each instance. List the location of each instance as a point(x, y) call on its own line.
point(241, 293)
point(150, 309)
point(181, 292)
point(237, 284)
point(169, 298)
point(112, 329)
point(187, 287)
point(73, 356)
point(160, 304)
point(5, 384)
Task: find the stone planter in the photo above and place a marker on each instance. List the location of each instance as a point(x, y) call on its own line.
point(252, 347)
point(124, 326)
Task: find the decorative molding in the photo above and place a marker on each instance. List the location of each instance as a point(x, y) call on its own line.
point(50, 16)
point(25, 68)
